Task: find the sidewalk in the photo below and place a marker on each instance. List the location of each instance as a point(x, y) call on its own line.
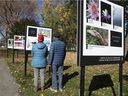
point(8, 86)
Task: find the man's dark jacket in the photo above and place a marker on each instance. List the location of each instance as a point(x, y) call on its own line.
point(57, 52)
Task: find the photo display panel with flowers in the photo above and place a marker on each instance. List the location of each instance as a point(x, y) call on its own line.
point(32, 35)
point(103, 30)
point(19, 42)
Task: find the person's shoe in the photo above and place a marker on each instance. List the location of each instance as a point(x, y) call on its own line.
point(54, 90)
point(60, 90)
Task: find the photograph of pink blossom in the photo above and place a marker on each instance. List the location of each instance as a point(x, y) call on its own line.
point(105, 13)
point(92, 9)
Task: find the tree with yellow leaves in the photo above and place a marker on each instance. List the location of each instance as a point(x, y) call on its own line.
point(61, 16)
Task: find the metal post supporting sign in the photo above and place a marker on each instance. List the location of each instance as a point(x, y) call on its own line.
point(25, 61)
point(13, 51)
point(82, 77)
point(120, 91)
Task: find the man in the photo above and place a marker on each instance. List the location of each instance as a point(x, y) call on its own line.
point(56, 59)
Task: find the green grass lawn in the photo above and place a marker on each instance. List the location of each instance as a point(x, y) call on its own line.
point(71, 79)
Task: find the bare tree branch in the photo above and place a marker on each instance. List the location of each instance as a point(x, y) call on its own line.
point(15, 10)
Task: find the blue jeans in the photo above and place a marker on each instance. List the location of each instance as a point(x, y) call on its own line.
point(54, 76)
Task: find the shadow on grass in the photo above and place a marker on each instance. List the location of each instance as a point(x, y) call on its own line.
point(125, 77)
point(101, 81)
point(66, 67)
point(66, 77)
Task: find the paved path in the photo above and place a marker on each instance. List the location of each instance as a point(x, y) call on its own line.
point(8, 87)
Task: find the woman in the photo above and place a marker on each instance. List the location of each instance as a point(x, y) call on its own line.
point(39, 53)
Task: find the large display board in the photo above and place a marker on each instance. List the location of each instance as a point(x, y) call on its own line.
point(32, 35)
point(102, 32)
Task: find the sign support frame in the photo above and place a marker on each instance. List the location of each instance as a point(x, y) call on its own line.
point(79, 53)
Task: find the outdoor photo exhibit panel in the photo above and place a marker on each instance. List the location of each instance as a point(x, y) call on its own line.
point(19, 42)
point(102, 32)
point(10, 43)
point(32, 35)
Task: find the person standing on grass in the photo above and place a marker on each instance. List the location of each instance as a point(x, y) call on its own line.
point(39, 53)
point(56, 60)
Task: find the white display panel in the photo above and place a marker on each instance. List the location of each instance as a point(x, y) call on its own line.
point(10, 43)
point(103, 31)
point(32, 35)
point(19, 42)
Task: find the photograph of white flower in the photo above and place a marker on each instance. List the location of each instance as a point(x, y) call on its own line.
point(105, 13)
